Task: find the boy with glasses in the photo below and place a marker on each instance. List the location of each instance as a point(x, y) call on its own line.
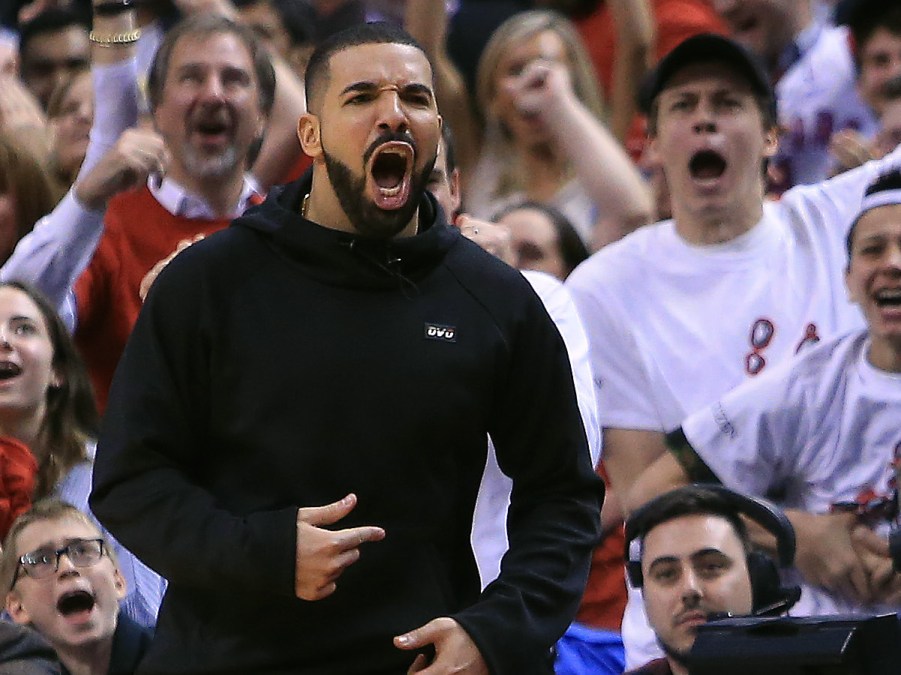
point(63, 579)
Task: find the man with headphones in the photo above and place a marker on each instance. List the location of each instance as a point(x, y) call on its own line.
point(689, 551)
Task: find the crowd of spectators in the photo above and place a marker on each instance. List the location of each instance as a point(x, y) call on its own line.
point(691, 187)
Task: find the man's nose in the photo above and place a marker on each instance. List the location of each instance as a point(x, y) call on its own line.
point(691, 588)
point(704, 119)
point(64, 565)
point(391, 112)
point(212, 89)
point(4, 339)
point(894, 258)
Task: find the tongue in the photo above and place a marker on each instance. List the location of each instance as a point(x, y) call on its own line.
point(390, 194)
point(81, 616)
point(388, 179)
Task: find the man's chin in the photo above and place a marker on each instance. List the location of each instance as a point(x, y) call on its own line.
point(680, 656)
point(206, 165)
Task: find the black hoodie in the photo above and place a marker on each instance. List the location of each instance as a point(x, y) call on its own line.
point(280, 364)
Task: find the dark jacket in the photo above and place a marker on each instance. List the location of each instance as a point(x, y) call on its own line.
point(24, 652)
point(280, 364)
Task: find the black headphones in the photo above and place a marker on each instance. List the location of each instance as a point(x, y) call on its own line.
point(770, 597)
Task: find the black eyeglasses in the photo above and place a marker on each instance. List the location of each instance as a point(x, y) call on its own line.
point(44, 562)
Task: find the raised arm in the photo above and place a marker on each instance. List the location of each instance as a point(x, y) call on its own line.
point(61, 245)
point(599, 161)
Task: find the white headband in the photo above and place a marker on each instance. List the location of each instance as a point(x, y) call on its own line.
point(881, 198)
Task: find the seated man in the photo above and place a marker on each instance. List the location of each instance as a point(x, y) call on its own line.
point(695, 561)
point(821, 431)
point(64, 581)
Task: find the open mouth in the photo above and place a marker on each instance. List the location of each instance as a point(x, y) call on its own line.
point(889, 298)
point(75, 603)
point(707, 165)
point(213, 127)
point(391, 169)
point(9, 370)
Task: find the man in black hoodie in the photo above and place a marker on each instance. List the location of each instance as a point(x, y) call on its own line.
point(341, 345)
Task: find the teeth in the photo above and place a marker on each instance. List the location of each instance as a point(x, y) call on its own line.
point(390, 191)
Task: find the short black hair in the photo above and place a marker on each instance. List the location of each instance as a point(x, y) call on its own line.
point(361, 34)
point(205, 25)
point(692, 500)
point(890, 181)
point(50, 21)
point(572, 249)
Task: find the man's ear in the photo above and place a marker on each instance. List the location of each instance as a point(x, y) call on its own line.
point(308, 131)
point(119, 584)
point(16, 609)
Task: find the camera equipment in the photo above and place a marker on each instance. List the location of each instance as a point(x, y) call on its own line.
point(830, 645)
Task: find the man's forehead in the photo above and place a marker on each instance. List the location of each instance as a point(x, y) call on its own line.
point(707, 74)
point(211, 48)
point(685, 536)
point(379, 63)
point(53, 533)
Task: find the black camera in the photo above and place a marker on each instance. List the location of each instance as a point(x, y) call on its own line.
point(826, 645)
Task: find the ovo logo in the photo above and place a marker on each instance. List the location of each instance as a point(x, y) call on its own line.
point(434, 331)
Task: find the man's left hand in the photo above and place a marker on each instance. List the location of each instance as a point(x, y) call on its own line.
point(455, 652)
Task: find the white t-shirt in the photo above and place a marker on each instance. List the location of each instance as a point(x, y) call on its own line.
point(489, 530)
point(672, 326)
point(818, 97)
point(823, 429)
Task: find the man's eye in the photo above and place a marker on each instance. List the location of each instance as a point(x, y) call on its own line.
point(665, 576)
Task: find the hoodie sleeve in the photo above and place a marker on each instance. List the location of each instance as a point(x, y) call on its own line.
point(553, 522)
point(145, 488)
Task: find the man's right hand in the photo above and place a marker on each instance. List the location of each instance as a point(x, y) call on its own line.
point(322, 554)
point(126, 166)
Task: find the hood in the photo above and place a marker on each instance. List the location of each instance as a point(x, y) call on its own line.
point(346, 259)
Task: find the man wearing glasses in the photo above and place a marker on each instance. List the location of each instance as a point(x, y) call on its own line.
point(64, 581)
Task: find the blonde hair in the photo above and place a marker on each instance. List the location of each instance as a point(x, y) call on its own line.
point(26, 179)
point(51, 509)
point(517, 29)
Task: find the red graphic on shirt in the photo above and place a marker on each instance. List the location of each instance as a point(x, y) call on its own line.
point(762, 332)
point(811, 337)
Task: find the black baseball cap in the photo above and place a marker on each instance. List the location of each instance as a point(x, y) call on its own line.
point(709, 48)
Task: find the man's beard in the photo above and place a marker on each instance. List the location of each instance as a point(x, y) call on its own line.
point(367, 218)
point(677, 655)
point(201, 165)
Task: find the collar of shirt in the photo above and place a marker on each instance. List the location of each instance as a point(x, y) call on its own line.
point(179, 202)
